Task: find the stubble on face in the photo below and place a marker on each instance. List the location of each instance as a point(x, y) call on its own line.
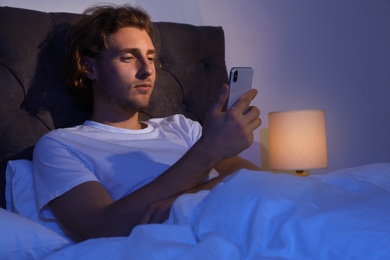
point(125, 98)
point(127, 71)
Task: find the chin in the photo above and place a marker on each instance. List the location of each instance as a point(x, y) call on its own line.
point(133, 107)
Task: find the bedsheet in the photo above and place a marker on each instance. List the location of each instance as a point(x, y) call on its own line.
point(261, 215)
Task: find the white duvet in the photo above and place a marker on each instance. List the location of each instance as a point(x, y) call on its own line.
point(260, 215)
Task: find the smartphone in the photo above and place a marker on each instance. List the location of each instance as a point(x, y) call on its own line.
point(240, 81)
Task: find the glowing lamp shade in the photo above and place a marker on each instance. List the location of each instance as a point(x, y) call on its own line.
point(297, 140)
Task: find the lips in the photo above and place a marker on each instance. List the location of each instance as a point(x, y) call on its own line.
point(143, 87)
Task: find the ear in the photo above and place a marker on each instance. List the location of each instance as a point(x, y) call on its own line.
point(90, 65)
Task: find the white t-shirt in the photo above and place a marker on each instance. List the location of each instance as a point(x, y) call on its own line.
point(122, 160)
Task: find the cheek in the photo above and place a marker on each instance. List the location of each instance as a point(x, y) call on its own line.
point(154, 73)
point(120, 74)
point(153, 76)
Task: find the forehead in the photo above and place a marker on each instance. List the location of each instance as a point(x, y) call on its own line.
point(130, 38)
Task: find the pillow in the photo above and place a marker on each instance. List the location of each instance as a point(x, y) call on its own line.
point(20, 195)
point(19, 190)
point(26, 239)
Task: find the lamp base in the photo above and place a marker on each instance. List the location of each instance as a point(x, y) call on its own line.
point(301, 173)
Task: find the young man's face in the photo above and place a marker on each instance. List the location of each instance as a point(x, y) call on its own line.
point(124, 76)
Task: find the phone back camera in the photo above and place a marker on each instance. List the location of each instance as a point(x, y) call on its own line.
point(235, 76)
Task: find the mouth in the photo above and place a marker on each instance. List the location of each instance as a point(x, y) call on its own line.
point(143, 87)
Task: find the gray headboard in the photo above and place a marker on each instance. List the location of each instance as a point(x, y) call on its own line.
point(33, 98)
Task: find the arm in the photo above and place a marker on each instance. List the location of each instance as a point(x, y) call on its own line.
point(159, 212)
point(89, 211)
point(231, 165)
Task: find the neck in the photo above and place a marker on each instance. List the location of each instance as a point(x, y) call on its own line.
point(106, 111)
point(130, 122)
point(116, 118)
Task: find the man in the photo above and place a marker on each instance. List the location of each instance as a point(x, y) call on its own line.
point(114, 172)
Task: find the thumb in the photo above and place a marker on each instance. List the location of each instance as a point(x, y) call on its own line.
point(220, 101)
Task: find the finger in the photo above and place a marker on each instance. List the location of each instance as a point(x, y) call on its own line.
point(252, 112)
point(255, 124)
point(252, 118)
point(159, 217)
point(145, 219)
point(245, 100)
point(220, 100)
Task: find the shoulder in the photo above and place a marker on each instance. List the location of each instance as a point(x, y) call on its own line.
point(56, 137)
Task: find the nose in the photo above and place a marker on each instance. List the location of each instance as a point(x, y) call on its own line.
point(146, 68)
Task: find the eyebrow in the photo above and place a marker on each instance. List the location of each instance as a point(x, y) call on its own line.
point(136, 50)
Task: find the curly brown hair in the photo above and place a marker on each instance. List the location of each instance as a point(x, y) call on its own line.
point(88, 37)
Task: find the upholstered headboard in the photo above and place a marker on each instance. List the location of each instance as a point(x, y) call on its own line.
point(33, 98)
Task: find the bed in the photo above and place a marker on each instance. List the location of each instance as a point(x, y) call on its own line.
point(250, 215)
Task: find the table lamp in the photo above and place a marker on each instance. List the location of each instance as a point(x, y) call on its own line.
point(297, 140)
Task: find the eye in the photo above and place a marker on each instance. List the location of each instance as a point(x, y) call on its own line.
point(127, 58)
point(151, 58)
